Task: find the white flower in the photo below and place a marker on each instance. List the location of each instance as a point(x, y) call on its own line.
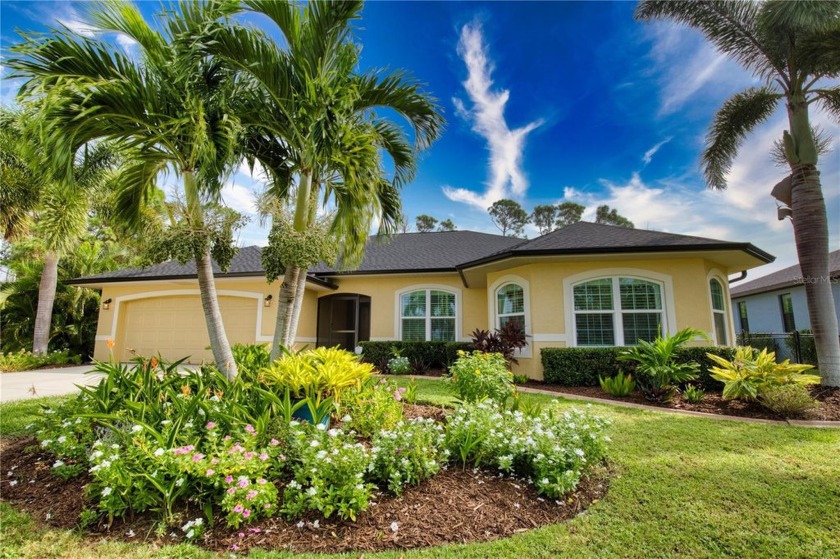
point(395, 526)
point(190, 534)
point(346, 419)
point(314, 443)
point(96, 454)
point(106, 491)
point(321, 427)
point(316, 524)
point(136, 428)
point(115, 446)
point(579, 452)
point(312, 491)
point(58, 464)
point(294, 484)
point(159, 452)
point(13, 482)
point(130, 533)
point(62, 439)
point(301, 524)
point(179, 482)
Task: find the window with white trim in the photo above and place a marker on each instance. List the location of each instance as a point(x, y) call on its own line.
point(510, 305)
point(427, 315)
point(617, 311)
point(718, 312)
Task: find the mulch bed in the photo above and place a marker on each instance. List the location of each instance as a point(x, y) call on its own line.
point(455, 506)
point(829, 398)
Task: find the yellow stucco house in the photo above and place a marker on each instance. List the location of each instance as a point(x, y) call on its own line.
point(582, 285)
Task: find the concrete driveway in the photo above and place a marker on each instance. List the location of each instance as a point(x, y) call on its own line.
point(45, 382)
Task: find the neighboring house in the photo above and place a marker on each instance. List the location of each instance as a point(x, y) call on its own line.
point(776, 302)
point(582, 285)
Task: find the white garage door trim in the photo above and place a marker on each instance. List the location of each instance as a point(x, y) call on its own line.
point(175, 292)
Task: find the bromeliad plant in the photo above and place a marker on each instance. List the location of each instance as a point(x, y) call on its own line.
point(657, 371)
point(751, 372)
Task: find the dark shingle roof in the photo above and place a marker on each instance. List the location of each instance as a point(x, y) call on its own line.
point(783, 278)
point(593, 238)
point(454, 250)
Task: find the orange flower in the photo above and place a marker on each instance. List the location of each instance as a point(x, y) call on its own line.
point(111, 343)
point(154, 362)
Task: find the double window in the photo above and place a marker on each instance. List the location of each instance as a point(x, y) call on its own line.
point(617, 311)
point(718, 312)
point(427, 315)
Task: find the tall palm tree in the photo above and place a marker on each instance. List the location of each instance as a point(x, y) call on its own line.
point(318, 112)
point(794, 47)
point(170, 107)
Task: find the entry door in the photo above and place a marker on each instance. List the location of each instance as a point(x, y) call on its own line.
point(343, 320)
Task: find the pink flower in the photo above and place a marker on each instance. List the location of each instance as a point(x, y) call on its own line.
point(251, 494)
point(214, 461)
point(274, 442)
point(197, 456)
point(243, 483)
point(231, 490)
point(397, 395)
point(210, 472)
point(254, 530)
point(238, 508)
point(261, 481)
point(228, 479)
point(250, 429)
point(241, 534)
point(267, 506)
point(249, 455)
point(263, 456)
point(227, 438)
point(246, 513)
point(234, 547)
point(210, 425)
point(282, 457)
point(402, 389)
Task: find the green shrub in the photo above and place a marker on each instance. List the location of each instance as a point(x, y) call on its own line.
point(421, 355)
point(521, 379)
point(478, 376)
point(657, 369)
point(250, 359)
point(375, 405)
point(24, 360)
point(316, 373)
point(751, 372)
point(619, 385)
point(399, 365)
point(693, 394)
point(788, 400)
point(407, 453)
point(553, 449)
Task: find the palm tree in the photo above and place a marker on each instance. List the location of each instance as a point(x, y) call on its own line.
point(314, 119)
point(793, 46)
point(170, 108)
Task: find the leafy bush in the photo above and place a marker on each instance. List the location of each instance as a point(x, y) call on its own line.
point(478, 376)
point(693, 394)
point(505, 340)
point(24, 360)
point(619, 385)
point(375, 405)
point(521, 379)
point(399, 365)
point(751, 372)
point(421, 355)
point(318, 374)
point(328, 470)
point(408, 453)
point(788, 400)
point(553, 449)
point(657, 369)
point(251, 359)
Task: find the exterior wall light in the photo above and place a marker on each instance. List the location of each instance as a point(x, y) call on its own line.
point(267, 301)
point(106, 304)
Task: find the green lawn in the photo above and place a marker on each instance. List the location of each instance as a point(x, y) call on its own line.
point(683, 487)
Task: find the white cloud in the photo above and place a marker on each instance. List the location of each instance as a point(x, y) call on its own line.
point(239, 198)
point(70, 18)
point(648, 156)
point(488, 120)
point(128, 44)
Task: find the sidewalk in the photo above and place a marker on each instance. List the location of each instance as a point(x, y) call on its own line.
point(45, 382)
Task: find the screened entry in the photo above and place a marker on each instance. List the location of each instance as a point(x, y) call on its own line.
point(343, 320)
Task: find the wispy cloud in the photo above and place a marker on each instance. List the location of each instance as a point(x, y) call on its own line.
point(487, 117)
point(71, 19)
point(648, 156)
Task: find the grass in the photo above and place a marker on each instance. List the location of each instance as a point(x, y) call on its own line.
point(682, 487)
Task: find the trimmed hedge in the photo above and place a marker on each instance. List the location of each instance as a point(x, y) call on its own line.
point(422, 355)
point(581, 366)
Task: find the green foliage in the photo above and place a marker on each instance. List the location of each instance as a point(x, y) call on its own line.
point(807, 347)
point(751, 372)
point(289, 247)
point(543, 218)
point(478, 376)
point(250, 359)
point(316, 373)
point(411, 389)
point(554, 449)
point(693, 395)
point(399, 365)
point(374, 405)
point(447, 225)
point(788, 400)
point(505, 340)
point(24, 360)
point(421, 355)
point(569, 213)
point(579, 366)
point(407, 453)
point(521, 379)
point(657, 369)
point(619, 385)
point(607, 216)
point(425, 223)
point(509, 217)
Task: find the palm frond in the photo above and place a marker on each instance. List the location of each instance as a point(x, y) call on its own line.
point(829, 101)
point(736, 118)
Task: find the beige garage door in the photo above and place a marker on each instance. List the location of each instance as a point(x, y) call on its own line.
point(175, 326)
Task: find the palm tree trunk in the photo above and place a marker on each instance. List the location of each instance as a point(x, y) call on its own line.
point(46, 299)
point(219, 344)
point(300, 293)
point(285, 305)
point(810, 229)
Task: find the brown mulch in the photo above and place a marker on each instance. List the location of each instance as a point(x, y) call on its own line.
point(438, 413)
point(455, 506)
point(713, 402)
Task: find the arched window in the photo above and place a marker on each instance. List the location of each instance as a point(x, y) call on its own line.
point(718, 312)
point(617, 311)
point(510, 305)
point(427, 315)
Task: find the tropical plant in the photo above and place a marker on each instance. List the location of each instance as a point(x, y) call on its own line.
point(619, 385)
point(311, 114)
point(693, 394)
point(478, 376)
point(509, 217)
point(505, 340)
point(658, 371)
point(375, 405)
point(169, 108)
point(751, 372)
point(407, 453)
point(792, 47)
point(788, 400)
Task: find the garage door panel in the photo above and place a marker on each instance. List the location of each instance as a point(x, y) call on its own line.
point(175, 326)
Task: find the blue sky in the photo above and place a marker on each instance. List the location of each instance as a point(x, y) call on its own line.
point(554, 101)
